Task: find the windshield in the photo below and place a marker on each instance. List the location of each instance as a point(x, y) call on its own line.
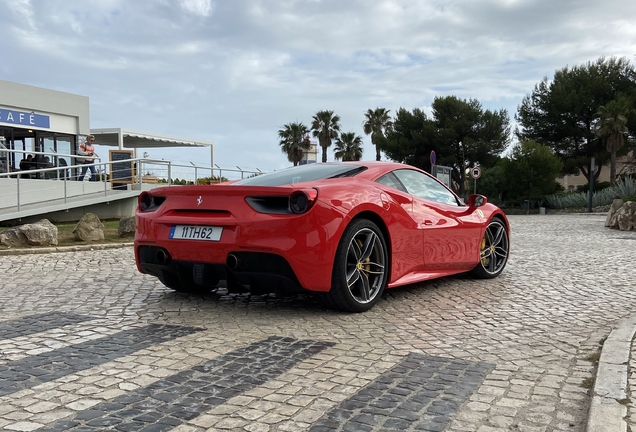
point(303, 173)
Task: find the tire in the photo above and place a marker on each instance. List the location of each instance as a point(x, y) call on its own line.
point(494, 250)
point(361, 268)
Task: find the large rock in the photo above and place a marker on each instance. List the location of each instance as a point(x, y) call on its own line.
point(89, 228)
point(624, 218)
point(126, 227)
point(13, 238)
point(611, 214)
point(40, 233)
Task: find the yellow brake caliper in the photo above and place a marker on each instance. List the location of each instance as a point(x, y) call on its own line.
point(359, 265)
point(483, 252)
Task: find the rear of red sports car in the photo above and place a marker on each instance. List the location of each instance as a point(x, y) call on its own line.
point(329, 228)
point(193, 237)
point(260, 239)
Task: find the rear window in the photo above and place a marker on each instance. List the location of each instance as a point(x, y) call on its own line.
point(303, 173)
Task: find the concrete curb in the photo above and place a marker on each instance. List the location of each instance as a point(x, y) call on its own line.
point(607, 414)
point(55, 249)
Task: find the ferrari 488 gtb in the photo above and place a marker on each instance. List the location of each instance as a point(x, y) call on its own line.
point(347, 231)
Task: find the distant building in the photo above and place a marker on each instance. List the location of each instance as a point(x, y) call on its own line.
point(311, 155)
point(624, 165)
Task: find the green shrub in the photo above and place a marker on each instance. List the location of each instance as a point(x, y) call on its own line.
point(597, 186)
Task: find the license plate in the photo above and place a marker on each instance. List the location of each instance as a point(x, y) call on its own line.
point(193, 232)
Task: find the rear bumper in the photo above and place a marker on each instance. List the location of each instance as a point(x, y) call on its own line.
point(250, 272)
point(299, 249)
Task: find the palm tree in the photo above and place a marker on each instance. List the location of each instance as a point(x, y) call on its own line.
point(378, 121)
point(348, 147)
point(325, 126)
point(294, 138)
point(611, 127)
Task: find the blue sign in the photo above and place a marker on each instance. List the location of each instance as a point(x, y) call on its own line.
point(433, 157)
point(25, 118)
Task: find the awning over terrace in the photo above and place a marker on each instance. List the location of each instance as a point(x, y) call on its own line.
point(129, 139)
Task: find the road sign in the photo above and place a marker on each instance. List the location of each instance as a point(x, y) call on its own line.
point(475, 172)
point(433, 157)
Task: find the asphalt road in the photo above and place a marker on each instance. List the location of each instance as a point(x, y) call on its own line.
point(87, 343)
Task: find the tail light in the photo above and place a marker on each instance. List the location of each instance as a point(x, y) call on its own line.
point(149, 203)
point(298, 202)
point(302, 200)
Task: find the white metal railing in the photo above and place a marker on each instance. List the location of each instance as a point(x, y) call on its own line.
point(169, 172)
point(58, 182)
point(55, 160)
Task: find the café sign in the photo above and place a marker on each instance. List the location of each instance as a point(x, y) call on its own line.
point(25, 118)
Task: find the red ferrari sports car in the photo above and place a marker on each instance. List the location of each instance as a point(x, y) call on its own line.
point(344, 230)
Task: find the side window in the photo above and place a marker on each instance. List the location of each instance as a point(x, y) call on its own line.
point(423, 186)
point(391, 181)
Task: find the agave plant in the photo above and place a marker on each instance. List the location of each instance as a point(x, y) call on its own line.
point(602, 198)
point(625, 187)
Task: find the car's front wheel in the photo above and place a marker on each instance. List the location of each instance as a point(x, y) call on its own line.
point(360, 268)
point(494, 250)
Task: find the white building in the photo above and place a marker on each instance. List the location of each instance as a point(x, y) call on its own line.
point(34, 119)
point(310, 155)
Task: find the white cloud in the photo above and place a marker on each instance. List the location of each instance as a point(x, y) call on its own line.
point(22, 10)
point(234, 72)
point(198, 7)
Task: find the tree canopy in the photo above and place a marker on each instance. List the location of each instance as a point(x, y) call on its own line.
point(612, 127)
point(377, 124)
point(348, 147)
point(294, 139)
point(461, 133)
point(411, 139)
point(561, 113)
point(325, 126)
point(531, 171)
point(468, 135)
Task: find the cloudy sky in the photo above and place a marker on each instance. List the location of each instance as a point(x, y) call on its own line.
point(235, 71)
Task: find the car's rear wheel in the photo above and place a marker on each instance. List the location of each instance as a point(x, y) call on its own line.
point(494, 250)
point(360, 268)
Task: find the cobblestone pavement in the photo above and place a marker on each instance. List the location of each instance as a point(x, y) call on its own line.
point(87, 343)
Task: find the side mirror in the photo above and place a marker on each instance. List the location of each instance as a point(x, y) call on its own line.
point(476, 200)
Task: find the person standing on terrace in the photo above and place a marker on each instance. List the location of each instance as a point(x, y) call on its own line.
point(87, 150)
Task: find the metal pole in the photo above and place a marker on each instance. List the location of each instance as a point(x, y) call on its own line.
point(475, 189)
point(140, 178)
point(591, 191)
point(212, 160)
point(18, 189)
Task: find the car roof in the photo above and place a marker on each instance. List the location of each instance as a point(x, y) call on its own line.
point(376, 168)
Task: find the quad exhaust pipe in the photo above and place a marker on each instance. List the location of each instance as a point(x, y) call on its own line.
point(233, 262)
point(163, 257)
